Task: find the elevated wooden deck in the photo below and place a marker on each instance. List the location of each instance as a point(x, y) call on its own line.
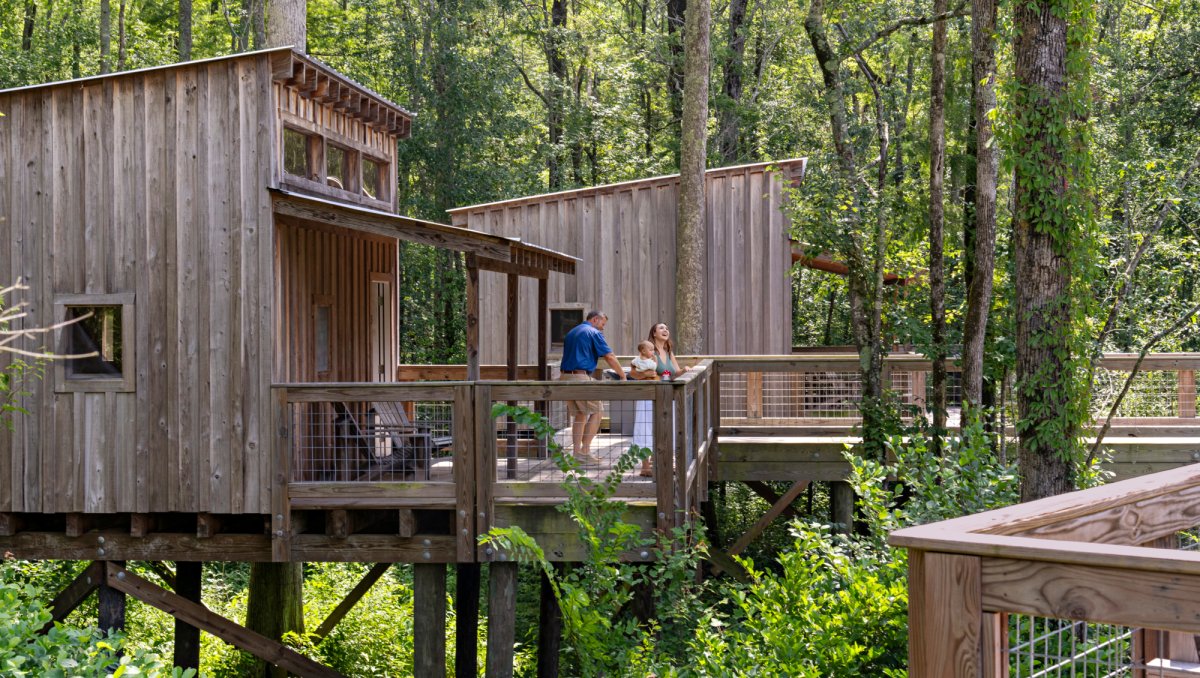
point(415, 472)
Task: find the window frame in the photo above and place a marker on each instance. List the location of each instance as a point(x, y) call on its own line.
point(318, 182)
point(127, 382)
point(551, 310)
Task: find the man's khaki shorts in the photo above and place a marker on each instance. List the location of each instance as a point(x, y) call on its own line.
point(582, 407)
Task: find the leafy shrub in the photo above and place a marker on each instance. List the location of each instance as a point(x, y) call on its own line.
point(64, 651)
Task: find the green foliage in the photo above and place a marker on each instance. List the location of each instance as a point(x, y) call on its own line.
point(838, 607)
point(63, 651)
point(601, 635)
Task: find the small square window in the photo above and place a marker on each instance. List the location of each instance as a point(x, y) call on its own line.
point(372, 179)
point(563, 320)
point(297, 152)
point(96, 341)
point(94, 331)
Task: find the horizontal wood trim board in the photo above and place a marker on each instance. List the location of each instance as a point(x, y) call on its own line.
point(1021, 517)
point(576, 391)
point(361, 393)
point(1113, 595)
point(515, 492)
point(333, 491)
point(769, 471)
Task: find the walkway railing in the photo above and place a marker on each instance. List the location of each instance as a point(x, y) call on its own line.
point(439, 446)
point(1039, 577)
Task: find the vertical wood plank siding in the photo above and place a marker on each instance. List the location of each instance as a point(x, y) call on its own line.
point(337, 264)
point(153, 184)
point(624, 235)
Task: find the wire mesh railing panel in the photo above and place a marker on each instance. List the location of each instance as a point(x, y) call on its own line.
point(1156, 393)
point(1040, 647)
point(372, 441)
point(593, 435)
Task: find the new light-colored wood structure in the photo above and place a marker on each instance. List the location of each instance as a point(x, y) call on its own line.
point(624, 236)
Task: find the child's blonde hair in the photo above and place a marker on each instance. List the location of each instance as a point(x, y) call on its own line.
point(644, 344)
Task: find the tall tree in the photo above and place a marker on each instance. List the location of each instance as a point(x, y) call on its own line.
point(28, 25)
point(690, 236)
point(185, 30)
point(937, 214)
point(1051, 157)
point(729, 129)
point(981, 246)
point(676, 14)
point(105, 35)
point(287, 24)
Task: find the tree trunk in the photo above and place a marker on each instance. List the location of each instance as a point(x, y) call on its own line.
point(675, 37)
point(286, 24)
point(105, 35)
point(275, 605)
point(982, 247)
point(27, 27)
point(121, 36)
point(258, 23)
point(1042, 265)
point(690, 233)
point(865, 277)
point(729, 128)
point(185, 30)
point(937, 265)
point(556, 67)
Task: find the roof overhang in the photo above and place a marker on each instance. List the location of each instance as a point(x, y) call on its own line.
point(491, 252)
point(319, 82)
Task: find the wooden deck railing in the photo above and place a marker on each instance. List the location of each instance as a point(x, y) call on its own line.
point(1094, 556)
point(437, 446)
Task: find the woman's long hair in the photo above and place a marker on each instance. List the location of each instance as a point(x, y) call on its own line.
point(670, 348)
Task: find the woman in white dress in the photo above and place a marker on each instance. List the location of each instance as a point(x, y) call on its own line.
point(663, 353)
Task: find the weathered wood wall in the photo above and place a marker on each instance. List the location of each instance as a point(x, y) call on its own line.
point(334, 265)
point(153, 184)
point(624, 235)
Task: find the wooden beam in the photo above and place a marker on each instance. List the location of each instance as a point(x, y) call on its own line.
point(207, 525)
point(466, 621)
point(841, 506)
point(356, 594)
point(187, 637)
point(472, 293)
point(270, 651)
point(10, 524)
point(77, 524)
point(502, 619)
point(767, 518)
point(945, 615)
point(512, 269)
point(391, 226)
point(75, 593)
point(429, 620)
point(769, 495)
point(543, 329)
point(141, 524)
point(408, 522)
point(111, 601)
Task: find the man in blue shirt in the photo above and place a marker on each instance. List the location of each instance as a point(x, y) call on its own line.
point(583, 346)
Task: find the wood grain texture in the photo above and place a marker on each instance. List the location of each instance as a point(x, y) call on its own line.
point(944, 616)
point(624, 236)
point(1159, 600)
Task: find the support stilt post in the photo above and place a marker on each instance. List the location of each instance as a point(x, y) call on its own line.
point(502, 613)
point(549, 628)
point(187, 637)
point(112, 606)
point(466, 619)
point(841, 506)
point(429, 619)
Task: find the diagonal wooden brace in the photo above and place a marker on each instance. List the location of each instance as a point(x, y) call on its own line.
point(201, 617)
point(757, 528)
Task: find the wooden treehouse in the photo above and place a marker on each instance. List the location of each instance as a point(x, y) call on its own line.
point(226, 230)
